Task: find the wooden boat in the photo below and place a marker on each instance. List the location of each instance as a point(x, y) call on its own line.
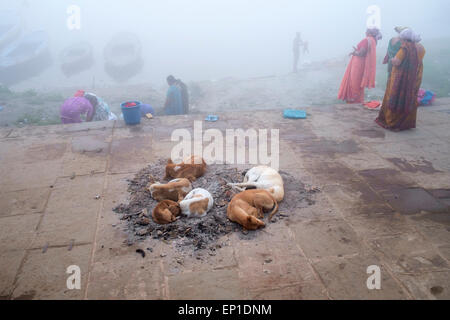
point(10, 28)
point(25, 58)
point(123, 58)
point(77, 58)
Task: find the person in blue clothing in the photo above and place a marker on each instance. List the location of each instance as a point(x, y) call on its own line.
point(174, 102)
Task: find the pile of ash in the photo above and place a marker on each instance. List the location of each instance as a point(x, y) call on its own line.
point(197, 233)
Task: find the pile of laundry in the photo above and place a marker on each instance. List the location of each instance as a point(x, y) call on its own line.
point(130, 104)
point(425, 97)
point(373, 105)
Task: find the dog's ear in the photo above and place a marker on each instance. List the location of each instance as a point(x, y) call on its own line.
point(175, 209)
point(170, 161)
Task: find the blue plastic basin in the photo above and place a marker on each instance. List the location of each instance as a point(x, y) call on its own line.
point(294, 114)
point(132, 115)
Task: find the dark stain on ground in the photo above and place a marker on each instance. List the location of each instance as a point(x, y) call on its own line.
point(385, 179)
point(441, 217)
point(443, 195)
point(330, 147)
point(402, 195)
point(440, 193)
point(435, 291)
point(413, 201)
point(333, 171)
point(27, 296)
point(46, 152)
point(424, 166)
point(367, 195)
point(439, 262)
point(370, 133)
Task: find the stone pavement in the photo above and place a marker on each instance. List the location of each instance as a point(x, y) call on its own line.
point(385, 201)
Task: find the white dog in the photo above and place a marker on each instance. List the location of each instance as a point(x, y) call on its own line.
point(197, 203)
point(264, 178)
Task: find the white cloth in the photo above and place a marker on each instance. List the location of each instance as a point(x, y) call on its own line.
point(409, 34)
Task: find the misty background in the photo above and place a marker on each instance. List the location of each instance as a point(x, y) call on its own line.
point(232, 54)
point(201, 39)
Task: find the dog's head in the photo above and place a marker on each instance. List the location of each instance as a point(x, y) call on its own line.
point(152, 187)
point(253, 223)
point(173, 207)
point(166, 212)
point(198, 160)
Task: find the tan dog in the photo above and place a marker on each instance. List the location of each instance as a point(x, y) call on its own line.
point(264, 178)
point(175, 190)
point(191, 168)
point(166, 212)
point(247, 208)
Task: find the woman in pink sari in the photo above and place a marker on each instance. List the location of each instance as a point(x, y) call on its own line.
point(361, 70)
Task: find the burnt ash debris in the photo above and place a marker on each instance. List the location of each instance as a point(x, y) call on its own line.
point(201, 233)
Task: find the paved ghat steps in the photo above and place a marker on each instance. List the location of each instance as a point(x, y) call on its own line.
point(384, 201)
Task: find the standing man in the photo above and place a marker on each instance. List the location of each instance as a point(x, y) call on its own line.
point(174, 103)
point(184, 95)
point(298, 42)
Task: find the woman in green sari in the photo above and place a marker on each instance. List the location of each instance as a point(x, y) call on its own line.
point(394, 47)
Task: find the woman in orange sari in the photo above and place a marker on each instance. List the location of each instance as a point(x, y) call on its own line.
point(361, 70)
point(399, 109)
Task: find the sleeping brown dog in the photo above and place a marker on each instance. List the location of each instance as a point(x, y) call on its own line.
point(166, 212)
point(191, 168)
point(175, 190)
point(247, 208)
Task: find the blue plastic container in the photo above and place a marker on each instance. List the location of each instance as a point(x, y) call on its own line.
point(212, 118)
point(132, 115)
point(294, 114)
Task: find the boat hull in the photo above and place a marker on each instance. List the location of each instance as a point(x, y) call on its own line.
point(25, 58)
point(123, 58)
point(76, 59)
point(10, 28)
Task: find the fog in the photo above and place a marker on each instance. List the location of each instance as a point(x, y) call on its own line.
point(204, 39)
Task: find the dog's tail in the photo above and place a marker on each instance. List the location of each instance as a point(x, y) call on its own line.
point(275, 210)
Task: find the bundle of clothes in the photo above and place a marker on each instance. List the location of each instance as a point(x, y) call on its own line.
point(425, 97)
